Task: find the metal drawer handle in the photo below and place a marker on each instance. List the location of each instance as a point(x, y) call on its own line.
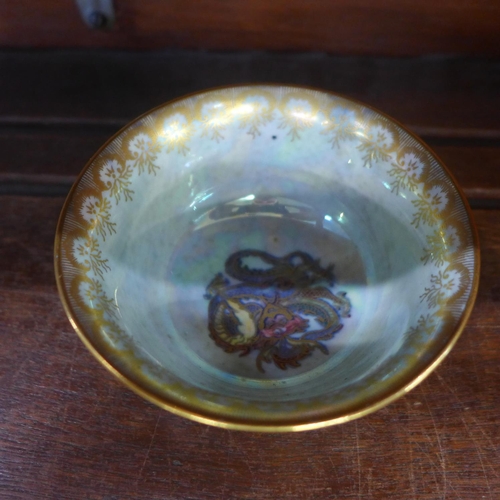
point(97, 14)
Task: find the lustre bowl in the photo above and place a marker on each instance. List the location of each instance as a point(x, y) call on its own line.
point(267, 258)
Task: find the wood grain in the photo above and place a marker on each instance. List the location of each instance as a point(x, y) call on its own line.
point(437, 96)
point(70, 430)
point(388, 27)
point(53, 128)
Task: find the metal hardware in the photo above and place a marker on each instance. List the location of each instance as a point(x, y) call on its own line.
point(97, 14)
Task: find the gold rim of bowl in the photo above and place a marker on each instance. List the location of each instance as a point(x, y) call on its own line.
point(248, 424)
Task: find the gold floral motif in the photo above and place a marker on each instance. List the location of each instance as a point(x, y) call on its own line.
point(92, 292)
point(144, 153)
point(298, 113)
point(445, 286)
point(95, 211)
point(429, 206)
point(376, 144)
point(426, 325)
point(253, 113)
point(407, 171)
point(115, 178)
point(174, 130)
point(86, 252)
point(115, 333)
point(341, 125)
point(441, 245)
point(215, 116)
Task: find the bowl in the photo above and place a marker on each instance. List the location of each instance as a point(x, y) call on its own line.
point(267, 258)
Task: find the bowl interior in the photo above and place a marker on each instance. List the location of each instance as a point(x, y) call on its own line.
point(267, 256)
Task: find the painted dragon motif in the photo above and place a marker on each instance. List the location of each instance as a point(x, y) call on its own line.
point(281, 309)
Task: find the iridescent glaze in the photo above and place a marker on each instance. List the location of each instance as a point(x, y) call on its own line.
point(267, 258)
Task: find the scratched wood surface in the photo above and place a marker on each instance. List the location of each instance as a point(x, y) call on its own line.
point(69, 430)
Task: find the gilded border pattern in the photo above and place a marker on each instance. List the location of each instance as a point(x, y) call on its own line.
point(107, 184)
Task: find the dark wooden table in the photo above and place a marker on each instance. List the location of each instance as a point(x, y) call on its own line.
point(68, 430)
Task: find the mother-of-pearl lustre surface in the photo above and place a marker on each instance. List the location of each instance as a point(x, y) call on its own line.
point(139, 252)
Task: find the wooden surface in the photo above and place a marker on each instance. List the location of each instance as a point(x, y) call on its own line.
point(69, 430)
point(370, 27)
